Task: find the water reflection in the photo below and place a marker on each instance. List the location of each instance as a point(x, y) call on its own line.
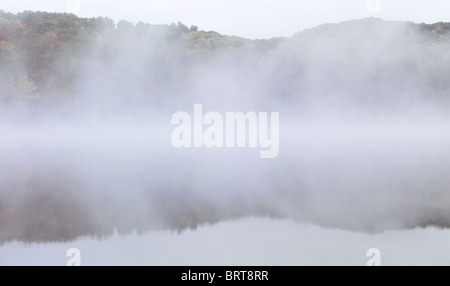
point(49, 207)
point(251, 241)
point(52, 206)
point(59, 185)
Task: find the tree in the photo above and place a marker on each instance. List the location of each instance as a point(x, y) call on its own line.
point(183, 28)
point(125, 26)
point(22, 91)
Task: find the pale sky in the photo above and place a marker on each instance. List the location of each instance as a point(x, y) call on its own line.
point(245, 18)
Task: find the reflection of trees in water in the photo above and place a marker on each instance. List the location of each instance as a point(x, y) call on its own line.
point(41, 203)
point(42, 208)
point(48, 204)
point(51, 206)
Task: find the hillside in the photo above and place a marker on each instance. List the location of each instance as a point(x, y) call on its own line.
point(48, 59)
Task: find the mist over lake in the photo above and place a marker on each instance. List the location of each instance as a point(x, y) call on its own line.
point(360, 148)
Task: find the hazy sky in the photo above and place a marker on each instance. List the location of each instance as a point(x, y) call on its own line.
point(246, 18)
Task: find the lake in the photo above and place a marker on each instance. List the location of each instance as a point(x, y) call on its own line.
point(125, 196)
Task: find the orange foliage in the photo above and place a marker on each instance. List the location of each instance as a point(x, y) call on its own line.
point(6, 45)
point(20, 24)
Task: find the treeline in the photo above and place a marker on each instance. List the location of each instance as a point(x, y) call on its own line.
point(44, 55)
point(51, 58)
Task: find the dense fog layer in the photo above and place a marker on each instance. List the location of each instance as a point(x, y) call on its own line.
point(363, 145)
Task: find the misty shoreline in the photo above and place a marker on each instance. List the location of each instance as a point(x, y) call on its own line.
point(85, 114)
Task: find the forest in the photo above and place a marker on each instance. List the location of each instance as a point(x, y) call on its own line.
point(43, 55)
point(46, 57)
